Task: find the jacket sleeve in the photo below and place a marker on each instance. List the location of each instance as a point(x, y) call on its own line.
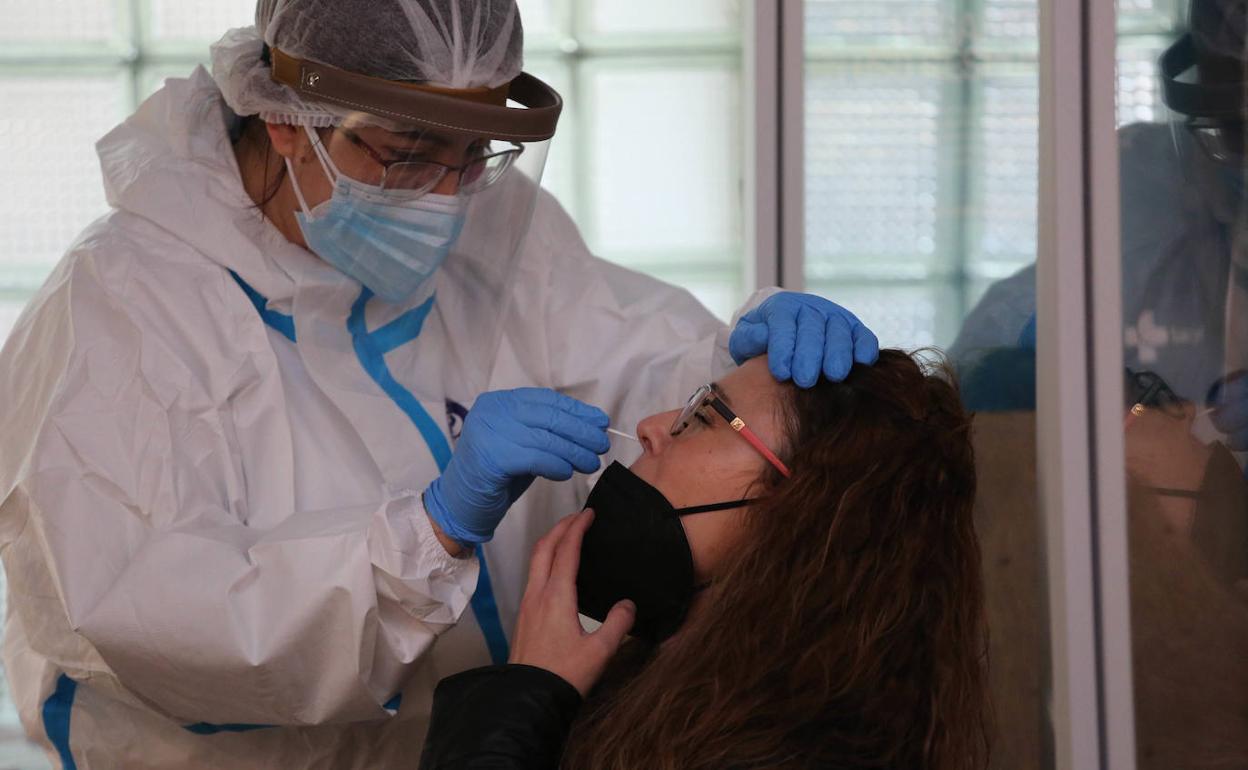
point(121, 478)
point(511, 717)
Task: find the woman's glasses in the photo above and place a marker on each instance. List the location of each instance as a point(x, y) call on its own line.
point(710, 396)
point(1147, 390)
point(417, 177)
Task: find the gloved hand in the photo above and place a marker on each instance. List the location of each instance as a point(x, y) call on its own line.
point(803, 335)
point(510, 437)
point(1229, 399)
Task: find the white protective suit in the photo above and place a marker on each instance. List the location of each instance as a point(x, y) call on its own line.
point(213, 535)
point(1180, 215)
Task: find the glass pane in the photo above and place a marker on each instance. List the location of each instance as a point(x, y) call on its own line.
point(631, 16)
point(65, 21)
point(664, 160)
point(10, 309)
point(197, 20)
point(877, 168)
point(1139, 90)
point(902, 316)
point(1009, 23)
point(1135, 16)
point(897, 22)
point(539, 19)
point(52, 179)
point(1184, 211)
point(720, 290)
point(1003, 171)
point(921, 177)
point(560, 174)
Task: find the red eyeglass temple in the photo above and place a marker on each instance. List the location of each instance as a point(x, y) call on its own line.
point(739, 426)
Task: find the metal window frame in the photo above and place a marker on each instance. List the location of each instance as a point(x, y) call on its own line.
point(1079, 385)
point(775, 176)
point(792, 145)
point(763, 179)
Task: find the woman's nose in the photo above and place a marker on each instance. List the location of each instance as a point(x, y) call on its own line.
point(655, 432)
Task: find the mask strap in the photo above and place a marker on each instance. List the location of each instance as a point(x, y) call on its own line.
point(294, 184)
point(327, 163)
point(712, 507)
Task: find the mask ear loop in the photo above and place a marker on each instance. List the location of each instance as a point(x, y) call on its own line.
point(327, 165)
point(294, 184)
point(710, 507)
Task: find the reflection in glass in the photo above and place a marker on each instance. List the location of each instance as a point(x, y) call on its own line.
point(921, 172)
point(1185, 305)
point(1184, 201)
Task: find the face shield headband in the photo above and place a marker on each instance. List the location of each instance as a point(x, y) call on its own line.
point(1197, 100)
point(1214, 112)
point(480, 112)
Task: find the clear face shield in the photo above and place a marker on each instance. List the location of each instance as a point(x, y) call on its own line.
point(485, 259)
point(476, 153)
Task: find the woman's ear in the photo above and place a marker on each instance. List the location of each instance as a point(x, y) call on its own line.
point(291, 142)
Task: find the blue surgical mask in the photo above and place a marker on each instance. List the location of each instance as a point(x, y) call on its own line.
point(389, 243)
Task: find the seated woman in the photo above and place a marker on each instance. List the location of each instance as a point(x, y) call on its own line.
point(815, 607)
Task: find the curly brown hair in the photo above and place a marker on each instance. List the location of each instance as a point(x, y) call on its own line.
point(847, 631)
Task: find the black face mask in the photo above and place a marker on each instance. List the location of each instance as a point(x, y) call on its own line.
point(636, 549)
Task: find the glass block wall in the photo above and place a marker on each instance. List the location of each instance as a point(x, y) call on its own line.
point(650, 154)
point(921, 149)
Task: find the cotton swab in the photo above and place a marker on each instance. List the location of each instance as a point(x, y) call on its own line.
point(622, 434)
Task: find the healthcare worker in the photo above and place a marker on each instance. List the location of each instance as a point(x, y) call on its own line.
point(263, 422)
point(1184, 232)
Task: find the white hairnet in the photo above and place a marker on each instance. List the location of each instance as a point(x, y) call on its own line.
point(447, 43)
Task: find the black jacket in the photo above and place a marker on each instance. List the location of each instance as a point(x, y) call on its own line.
point(509, 717)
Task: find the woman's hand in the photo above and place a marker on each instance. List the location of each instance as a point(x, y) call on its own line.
point(549, 634)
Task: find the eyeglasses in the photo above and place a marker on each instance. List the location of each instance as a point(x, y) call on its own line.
point(417, 177)
point(1148, 390)
point(1222, 141)
point(708, 395)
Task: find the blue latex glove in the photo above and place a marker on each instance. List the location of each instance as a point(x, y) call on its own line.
point(803, 336)
point(1230, 414)
point(511, 437)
